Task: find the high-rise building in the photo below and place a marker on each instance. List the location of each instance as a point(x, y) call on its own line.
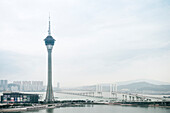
point(19, 83)
point(49, 42)
point(3, 85)
point(26, 86)
point(29, 85)
point(37, 85)
point(58, 85)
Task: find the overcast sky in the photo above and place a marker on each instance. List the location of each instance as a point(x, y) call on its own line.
point(97, 41)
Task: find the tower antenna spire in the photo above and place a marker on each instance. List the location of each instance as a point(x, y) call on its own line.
point(49, 29)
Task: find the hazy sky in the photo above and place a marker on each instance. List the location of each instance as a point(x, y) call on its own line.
point(97, 41)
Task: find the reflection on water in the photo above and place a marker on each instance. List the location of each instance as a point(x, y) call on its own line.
point(89, 105)
point(50, 110)
point(103, 109)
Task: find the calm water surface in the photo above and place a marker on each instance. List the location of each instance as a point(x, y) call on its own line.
point(96, 108)
point(104, 109)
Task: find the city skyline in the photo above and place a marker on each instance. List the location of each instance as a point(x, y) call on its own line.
point(96, 42)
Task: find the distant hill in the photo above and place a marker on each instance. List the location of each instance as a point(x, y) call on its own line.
point(143, 80)
point(144, 86)
point(132, 87)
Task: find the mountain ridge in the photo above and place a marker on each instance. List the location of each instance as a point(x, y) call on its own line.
point(138, 87)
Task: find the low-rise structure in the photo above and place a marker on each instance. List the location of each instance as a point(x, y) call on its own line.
point(15, 97)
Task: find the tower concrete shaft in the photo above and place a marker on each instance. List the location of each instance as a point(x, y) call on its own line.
point(49, 94)
point(49, 42)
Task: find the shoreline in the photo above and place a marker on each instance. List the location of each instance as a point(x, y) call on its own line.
point(34, 107)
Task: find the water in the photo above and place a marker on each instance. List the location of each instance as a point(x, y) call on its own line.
point(99, 108)
point(103, 109)
point(96, 108)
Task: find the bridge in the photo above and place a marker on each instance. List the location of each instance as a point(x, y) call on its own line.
point(87, 94)
point(113, 95)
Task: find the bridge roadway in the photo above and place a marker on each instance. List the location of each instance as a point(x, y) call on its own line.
point(87, 94)
point(132, 97)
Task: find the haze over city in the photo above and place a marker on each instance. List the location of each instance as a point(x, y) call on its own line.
point(101, 41)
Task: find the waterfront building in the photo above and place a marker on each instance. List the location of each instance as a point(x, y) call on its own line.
point(49, 42)
point(15, 97)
